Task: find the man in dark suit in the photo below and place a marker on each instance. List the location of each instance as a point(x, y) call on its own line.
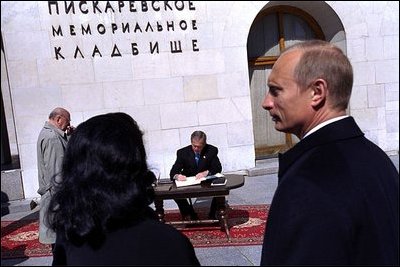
point(198, 159)
point(337, 200)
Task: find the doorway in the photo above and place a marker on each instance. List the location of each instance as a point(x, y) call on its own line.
point(273, 30)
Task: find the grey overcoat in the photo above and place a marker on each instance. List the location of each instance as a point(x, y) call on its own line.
point(51, 145)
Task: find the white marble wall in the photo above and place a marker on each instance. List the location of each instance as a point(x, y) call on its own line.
point(373, 48)
point(173, 94)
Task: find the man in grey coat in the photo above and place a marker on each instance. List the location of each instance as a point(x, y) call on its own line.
point(51, 145)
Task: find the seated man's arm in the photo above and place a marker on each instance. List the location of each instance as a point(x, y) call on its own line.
point(215, 165)
point(177, 167)
point(202, 174)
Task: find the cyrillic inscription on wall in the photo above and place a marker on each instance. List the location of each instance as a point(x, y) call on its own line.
point(122, 28)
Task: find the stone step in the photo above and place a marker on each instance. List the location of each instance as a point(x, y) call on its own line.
point(264, 166)
point(15, 206)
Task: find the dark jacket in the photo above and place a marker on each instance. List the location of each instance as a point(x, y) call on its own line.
point(185, 163)
point(146, 242)
point(337, 202)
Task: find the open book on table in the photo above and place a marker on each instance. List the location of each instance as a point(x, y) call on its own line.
point(191, 180)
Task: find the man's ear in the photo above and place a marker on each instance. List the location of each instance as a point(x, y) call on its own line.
point(58, 120)
point(319, 92)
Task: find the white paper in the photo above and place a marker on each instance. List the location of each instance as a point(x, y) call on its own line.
point(191, 180)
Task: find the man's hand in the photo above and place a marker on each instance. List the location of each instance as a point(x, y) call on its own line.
point(70, 130)
point(201, 174)
point(180, 177)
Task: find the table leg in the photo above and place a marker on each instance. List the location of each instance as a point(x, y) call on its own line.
point(159, 205)
point(222, 215)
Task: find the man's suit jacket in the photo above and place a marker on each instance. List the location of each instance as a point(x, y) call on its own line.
point(186, 164)
point(337, 202)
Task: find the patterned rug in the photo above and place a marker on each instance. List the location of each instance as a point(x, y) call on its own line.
point(19, 239)
point(246, 227)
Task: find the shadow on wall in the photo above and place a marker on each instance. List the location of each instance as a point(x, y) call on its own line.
point(12, 165)
point(4, 204)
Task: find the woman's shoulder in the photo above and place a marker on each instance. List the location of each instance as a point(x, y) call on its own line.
point(163, 240)
point(152, 231)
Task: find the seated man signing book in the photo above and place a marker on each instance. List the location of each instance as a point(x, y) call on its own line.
point(198, 159)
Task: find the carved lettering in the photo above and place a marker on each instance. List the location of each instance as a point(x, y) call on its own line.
point(191, 6)
point(72, 30)
point(115, 52)
point(110, 25)
point(55, 4)
point(170, 25)
point(183, 25)
point(148, 27)
point(86, 7)
point(194, 26)
point(137, 28)
point(120, 5)
point(179, 5)
point(114, 27)
point(154, 48)
point(125, 28)
point(57, 51)
point(132, 7)
point(153, 5)
point(166, 4)
point(101, 29)
point(96, 51)
point(58, 31)
point(96, 8)
point(159, 27)
point(108, 6)
point(144, 6)
point(70, 7)
point(175, 47)
point(87, 30)
point(194, 45)
point(135, 50)
point(77, 50)
point(83, 7)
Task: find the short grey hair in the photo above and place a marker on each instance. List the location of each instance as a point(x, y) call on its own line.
point(200, 135)
point(321, 59)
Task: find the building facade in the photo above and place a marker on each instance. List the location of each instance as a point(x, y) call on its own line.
point(180, 66)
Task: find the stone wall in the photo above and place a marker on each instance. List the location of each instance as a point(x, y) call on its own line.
point(180, 68)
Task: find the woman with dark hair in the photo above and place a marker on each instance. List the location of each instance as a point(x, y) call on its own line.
point(100, 210)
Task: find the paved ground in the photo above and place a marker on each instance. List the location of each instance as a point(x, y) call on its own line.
point(261, 188)
point(257, 190)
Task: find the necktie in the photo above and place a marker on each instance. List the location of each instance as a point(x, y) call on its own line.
point(197, 158)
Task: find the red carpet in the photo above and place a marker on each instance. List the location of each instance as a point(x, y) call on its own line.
point(246, 227)
point(19, 239)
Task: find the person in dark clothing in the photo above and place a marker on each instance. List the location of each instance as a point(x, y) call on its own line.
point(198, 159)
point(100, 210)
point(337, 200)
